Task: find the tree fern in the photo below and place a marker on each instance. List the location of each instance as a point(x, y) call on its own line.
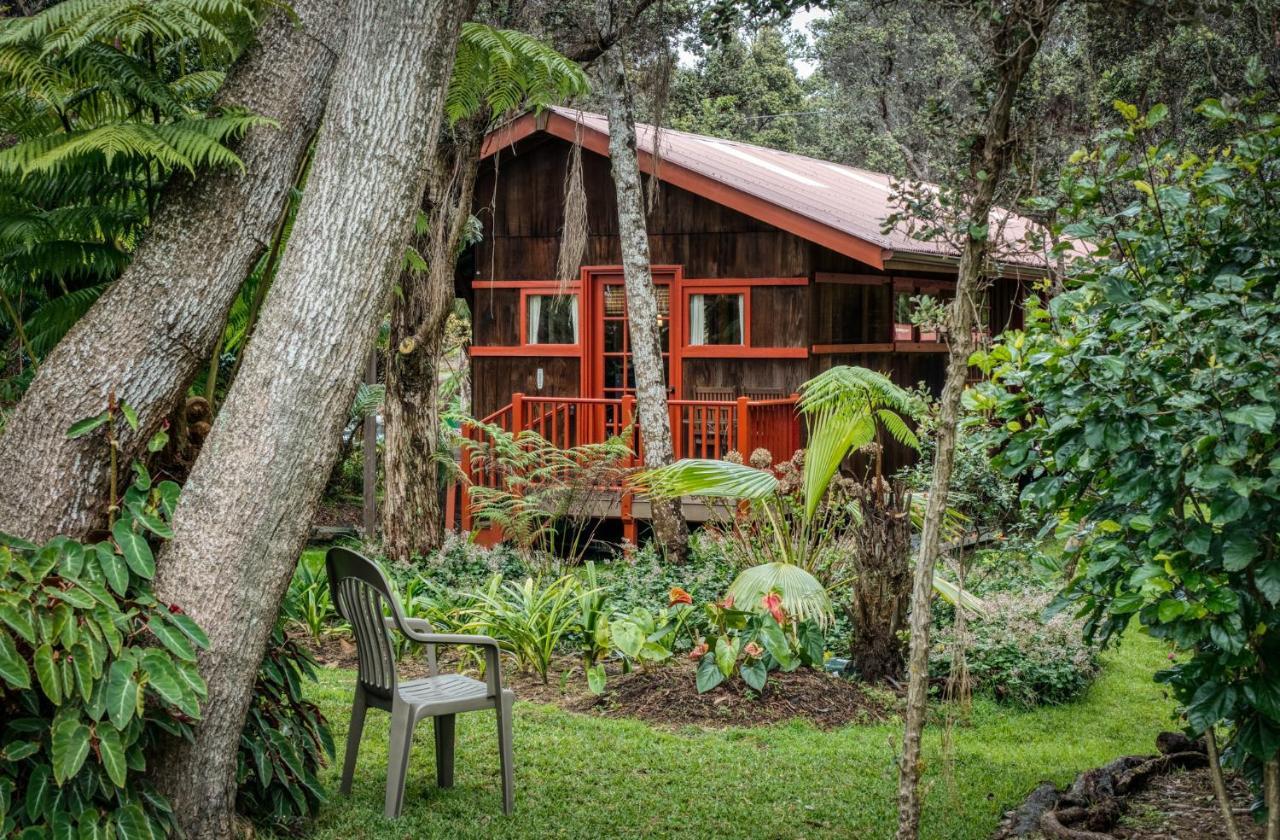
point(103, 100)
point(503, 70)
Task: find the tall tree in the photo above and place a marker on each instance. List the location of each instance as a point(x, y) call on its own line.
point(497, 71)
point(1014, 31)
point(250, 498)
point(642, 300)
point(149, 335)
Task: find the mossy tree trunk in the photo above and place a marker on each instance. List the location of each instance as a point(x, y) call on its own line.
point(882, 586)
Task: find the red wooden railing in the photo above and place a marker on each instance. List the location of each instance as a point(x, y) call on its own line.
point(699, 429)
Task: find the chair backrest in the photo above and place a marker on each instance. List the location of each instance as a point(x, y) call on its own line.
point(364, 598)
point(716, 393)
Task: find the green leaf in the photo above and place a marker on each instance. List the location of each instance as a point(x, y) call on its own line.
point(628, 637)
point(40, 792)
point(47, 674)
point(1260, 417)
point(1211, 703)
point(111, 753)
point(164, 678)
point(93, 828)
point(775, 641)
point(113, 566)
point(755, 674)
point(152, 523)
point(132, 823)
point(726, 654)
point(13, 668)
point(187, 625)
point(82, 427)
point(122, 693)
point(130, 416)
point(1238, 551)
point(596, 679)
point(175, 641)
point(18, 750)
point(709, 675)
point(70, 747)
point(135, 550)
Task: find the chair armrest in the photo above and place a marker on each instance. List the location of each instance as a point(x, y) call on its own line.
point(417, 630)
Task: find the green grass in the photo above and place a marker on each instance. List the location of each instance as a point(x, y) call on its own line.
point(582, 776)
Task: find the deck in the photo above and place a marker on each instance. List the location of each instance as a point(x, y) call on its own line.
point(700, 429)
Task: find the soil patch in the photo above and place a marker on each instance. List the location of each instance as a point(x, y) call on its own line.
point(1182, 805)
point(668, 696)
point(665, 695)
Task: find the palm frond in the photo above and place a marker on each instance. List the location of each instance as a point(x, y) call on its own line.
point(708, 478)
point(803, 597)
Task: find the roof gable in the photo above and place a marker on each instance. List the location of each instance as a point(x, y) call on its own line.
point(838, 207)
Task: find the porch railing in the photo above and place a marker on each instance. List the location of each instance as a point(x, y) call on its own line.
point(699, 429)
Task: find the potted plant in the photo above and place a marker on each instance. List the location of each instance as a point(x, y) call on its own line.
point(903, 328)
point(930, 315)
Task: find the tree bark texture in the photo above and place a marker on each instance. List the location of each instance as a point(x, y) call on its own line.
point(654, 420)
point(156, 327)
point(882, 586)
point(246, 509)
point(1014, 47)
point(412, 519)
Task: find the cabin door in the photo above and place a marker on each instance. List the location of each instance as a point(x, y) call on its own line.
point(611, 370)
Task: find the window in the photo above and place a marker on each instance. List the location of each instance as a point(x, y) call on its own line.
point(551, 319)
point(715, 319)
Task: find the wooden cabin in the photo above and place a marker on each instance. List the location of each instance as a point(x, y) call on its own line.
point(770, 267)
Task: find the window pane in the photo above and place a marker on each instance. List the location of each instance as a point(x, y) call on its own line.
point(715, 319)
point(552, 319)
point(613, 336)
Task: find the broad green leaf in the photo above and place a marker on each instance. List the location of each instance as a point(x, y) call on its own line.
point(709, 675)
point(94, 828)
point(69, 747)
point(132, 823)
point(111, 753)
point(135, 550)
point(174, 641)
point(114, 568)
point(596, 679)
point(726, 654)
point(1260, 417)
point(1238, 551)
point(130, 416)
point(188, 626)
point(18, 750)
point(47, 674)
point(152, 523)
point(164, 678)
point(628, 637)
point(775, 642)
point(122, 693)
point(755, 674)
point(13, 668)
point(40, 790)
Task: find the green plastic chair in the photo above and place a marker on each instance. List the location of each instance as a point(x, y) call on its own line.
point(365, 599)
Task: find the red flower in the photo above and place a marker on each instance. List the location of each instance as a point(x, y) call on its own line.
point(753, 650)
point(699, 651)
point(773, 603)
point(679, 596)
point(175, 609)
point(726, 603)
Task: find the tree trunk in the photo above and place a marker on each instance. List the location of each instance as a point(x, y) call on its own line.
point(882, 587)
point(1015, 42)
point(642, 301)
point(412, 520)
point(155, 328)
point(246, 508)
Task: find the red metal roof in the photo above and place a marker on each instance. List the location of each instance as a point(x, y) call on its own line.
point(840, 207)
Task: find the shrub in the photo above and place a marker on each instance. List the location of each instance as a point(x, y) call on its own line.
point(529, 619)
point(1015, 655)
point(92, 670)
point(751, 643)
point(307, 602)
point(285, 742)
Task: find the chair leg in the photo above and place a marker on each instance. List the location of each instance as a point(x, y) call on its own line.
point(358, 708)
point(445, 740)
point(398, 758)
point(505, 752)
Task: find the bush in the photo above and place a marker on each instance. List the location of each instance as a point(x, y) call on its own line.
point(1016, 656)
point(93, 669)
point(285, 742)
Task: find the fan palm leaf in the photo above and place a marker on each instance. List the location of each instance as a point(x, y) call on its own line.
point(803, 597)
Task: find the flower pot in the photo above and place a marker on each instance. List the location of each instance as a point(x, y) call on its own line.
point(929, 335)
point(903, 332)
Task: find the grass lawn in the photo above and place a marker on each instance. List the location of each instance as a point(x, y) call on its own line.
point(582, 776)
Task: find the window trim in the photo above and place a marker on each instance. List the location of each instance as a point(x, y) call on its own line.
point(550, 290)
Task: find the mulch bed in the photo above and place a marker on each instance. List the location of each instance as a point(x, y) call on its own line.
point(668, 695)
point(1168, 796)
point(1181, 805)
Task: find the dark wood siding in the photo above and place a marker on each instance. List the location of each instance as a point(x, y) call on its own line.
point(495, 317)
point(779, 316)
point(495, 378)
point(742, 376)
